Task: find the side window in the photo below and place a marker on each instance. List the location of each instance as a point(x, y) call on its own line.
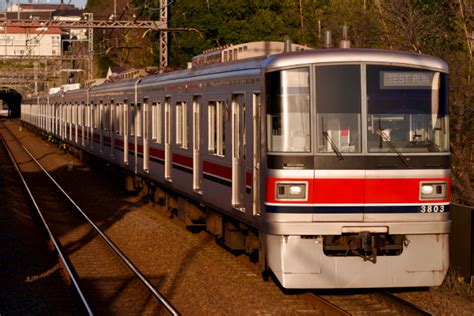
point(138, 120)
point(87, 118)
point(338, 106)
point(181, 124)
point(118, 119)
point(95, 110)
point(112, 117)
point(105, 117)
point(216, 128)
point(156, 119)
point(133, 115)
point(101, 116)
point(108, 115)
point(82, 115)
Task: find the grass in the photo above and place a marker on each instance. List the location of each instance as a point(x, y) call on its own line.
point(456, 283)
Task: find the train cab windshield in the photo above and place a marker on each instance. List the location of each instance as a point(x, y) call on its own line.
point(289, 114)
point(405, 110)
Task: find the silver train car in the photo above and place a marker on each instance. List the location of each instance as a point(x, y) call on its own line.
point(333, 165)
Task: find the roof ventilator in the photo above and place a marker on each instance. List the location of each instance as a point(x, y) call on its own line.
point(344, 42)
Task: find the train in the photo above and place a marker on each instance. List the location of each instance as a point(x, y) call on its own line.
point(330, 166)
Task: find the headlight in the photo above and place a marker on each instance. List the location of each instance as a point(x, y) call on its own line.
point(427, 189)
point(291, 191)
point(295, 189)
point(433, 191)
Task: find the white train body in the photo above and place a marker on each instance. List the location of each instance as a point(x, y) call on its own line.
point(338, 159)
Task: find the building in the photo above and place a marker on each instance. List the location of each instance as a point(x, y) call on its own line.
point(39, 7)
point(40, 41)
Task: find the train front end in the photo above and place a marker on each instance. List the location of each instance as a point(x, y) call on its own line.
point(357, 169)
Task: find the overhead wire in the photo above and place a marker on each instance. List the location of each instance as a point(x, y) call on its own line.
point(145, 5)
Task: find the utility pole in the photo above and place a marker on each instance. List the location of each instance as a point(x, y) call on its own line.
point(90, 46)
point(163, 35)
point(35, 65)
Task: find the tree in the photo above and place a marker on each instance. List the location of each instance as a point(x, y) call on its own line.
point(461, 97)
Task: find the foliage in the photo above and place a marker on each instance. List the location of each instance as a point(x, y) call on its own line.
point(103, 63)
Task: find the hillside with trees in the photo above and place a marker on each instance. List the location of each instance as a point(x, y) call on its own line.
point(443, 28)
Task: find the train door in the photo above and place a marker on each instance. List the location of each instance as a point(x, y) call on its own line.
point(68, 121)
point(82, 122)
point(238, 151)
point(137, 132)
point(63, 121)
point(197, 143)
point(168, 152)
point(101, 127)
point(93, 123)
point(146, 136)
point(112, 124)
point(256, 155)
point(76, 122)
point(60, 120)
point(126, 132)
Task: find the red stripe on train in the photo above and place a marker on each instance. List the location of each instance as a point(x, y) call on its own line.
point(358, 191)
point(208, 167)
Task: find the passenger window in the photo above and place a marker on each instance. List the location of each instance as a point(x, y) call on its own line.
point(133, 117)
point(87, 118)
point(156, 119)
point(105, 117)
point(108, 115)
point(216, 128)
point(95, 115)
point(338, 106)
point(138, 120)
point(181, 125)
point(118, 119)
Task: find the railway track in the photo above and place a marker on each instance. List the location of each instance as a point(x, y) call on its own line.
point(367, 303)
point(364, 303)
point(104, 278)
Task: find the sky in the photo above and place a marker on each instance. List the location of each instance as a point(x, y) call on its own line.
point(78, 3)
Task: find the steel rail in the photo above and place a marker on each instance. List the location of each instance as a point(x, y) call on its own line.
point(51, 236)
point(391, 297)
point(109, 242)
point(323, 304)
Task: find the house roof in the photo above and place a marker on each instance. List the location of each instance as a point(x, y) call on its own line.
point(46, 6)
point(22, 30)
point(41, 15)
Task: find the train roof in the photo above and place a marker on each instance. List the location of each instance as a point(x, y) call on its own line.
point(328, 56)
point(321, 56)
point(277, 61)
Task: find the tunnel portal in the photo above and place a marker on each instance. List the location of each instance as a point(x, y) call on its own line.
point(10, 102)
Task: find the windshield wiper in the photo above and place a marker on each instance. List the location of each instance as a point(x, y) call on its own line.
point(386, 139)
point(333, 146)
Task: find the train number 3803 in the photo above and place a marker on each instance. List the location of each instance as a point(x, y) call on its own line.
point(432, 208)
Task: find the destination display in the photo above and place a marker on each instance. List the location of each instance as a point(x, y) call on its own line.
point(406, 79)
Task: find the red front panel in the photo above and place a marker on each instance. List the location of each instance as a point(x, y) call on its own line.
point(359, 191)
